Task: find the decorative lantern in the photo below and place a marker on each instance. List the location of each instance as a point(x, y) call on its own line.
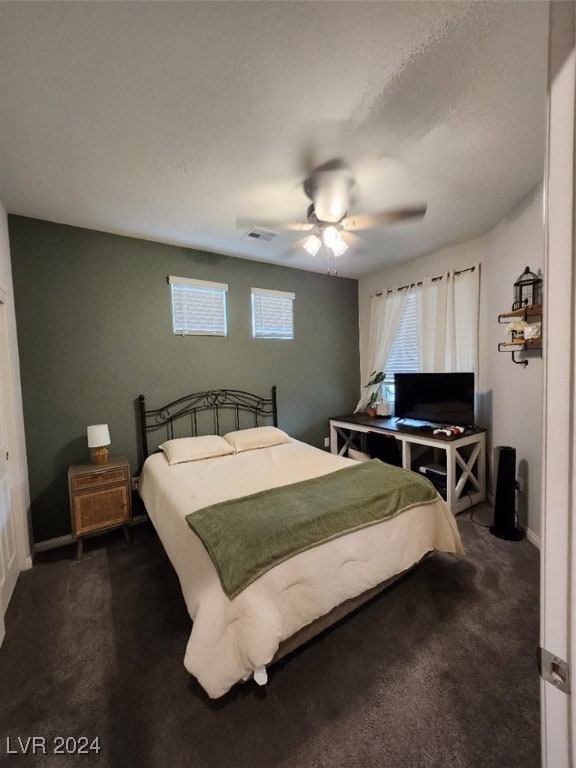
point(527, 290)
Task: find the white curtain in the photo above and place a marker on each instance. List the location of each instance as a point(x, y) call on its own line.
point(385, 313)
point(447, 316)
point(427, 317)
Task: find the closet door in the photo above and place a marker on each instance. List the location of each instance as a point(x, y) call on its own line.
point(8, 545)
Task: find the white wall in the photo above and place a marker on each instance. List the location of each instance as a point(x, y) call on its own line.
point(15, 427)
point(510, 396)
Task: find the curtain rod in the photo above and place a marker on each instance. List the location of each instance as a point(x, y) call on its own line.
point(434, 280)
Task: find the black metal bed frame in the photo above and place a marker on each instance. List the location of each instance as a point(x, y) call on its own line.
point(214, 400)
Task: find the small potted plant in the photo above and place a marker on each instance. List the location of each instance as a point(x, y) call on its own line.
point(376, 381)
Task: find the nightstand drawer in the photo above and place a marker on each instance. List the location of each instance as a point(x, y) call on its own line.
point(101, 509)
point(98, 478)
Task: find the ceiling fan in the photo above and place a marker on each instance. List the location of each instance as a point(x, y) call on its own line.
point(329, 187)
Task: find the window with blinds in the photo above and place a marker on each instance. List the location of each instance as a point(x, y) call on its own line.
point(272, 314)
point(198, 307)
point(403, 356)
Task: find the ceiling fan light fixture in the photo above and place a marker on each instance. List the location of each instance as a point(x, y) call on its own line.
point(339, 247)
point(330, 235)
point(312, 245)
point(334, 240)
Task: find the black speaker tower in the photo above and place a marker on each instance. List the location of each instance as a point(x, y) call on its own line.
point(505, 502)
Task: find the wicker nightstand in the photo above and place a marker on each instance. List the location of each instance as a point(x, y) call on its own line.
point(100, 498)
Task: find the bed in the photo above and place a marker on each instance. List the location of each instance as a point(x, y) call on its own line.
point(194, 480)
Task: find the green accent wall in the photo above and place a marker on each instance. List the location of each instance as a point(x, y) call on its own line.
point(95, 331)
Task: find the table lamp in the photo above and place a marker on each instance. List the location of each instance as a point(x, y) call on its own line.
point(98, 438)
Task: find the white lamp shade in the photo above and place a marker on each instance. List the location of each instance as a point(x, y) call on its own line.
point(312, 245)
point(339, 246)
point(98, 435)
point(330, 236)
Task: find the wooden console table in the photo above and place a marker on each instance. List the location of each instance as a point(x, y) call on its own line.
point(468, 452)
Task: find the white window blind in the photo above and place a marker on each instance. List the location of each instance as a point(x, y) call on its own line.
point(272, 314)
point(198, 307)
point(403, 356)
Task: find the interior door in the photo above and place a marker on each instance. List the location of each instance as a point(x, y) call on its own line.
point(8, 546)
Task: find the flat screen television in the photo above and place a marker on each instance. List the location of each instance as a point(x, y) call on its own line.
point(438, 398)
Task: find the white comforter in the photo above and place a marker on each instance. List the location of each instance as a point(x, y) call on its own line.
point(231, 638)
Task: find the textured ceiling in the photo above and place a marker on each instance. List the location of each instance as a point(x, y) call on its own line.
point(172, 121)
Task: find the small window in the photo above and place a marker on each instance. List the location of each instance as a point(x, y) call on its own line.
point(198, 307)
point(272, 314)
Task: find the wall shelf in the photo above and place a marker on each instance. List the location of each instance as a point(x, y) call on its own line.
point(530, 310)
point(520, 345)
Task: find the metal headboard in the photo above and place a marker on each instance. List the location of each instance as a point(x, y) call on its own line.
point(217, 401)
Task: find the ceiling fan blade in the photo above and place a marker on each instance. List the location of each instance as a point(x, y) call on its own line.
point(278, 226)
point(366, 221)
point(353, 242)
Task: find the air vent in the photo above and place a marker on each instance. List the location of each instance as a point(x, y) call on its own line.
point(261, 234)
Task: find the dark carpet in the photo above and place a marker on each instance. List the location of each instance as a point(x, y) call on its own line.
point(440, 670)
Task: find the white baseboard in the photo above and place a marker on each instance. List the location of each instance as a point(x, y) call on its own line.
point(532, 537)
point(65, 541)
point(59, 541)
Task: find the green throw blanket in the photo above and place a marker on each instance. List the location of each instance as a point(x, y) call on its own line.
point(246, 537)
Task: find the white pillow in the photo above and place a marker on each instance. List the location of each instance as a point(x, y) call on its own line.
point(195, 448)
point(257, 437)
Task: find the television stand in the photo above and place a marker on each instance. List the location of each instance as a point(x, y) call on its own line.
point(466, 452)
